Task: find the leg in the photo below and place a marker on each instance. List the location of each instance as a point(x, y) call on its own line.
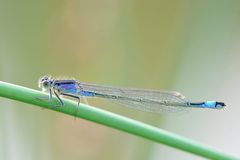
point(69, 95)
point(50, 95)
point(79, 100)
point(59, 99)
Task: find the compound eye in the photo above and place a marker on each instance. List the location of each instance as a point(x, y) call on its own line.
point(45, 84)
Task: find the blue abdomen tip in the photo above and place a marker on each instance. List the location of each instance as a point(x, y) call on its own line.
point(210, 104)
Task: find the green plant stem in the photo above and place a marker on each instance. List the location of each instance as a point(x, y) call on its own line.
point(100, 116)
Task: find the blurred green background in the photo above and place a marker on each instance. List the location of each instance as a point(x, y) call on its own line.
point(188, 46)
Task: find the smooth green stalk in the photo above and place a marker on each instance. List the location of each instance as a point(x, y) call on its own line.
point(112, 120)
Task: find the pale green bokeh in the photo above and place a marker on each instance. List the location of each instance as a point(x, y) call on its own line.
point(188, 46)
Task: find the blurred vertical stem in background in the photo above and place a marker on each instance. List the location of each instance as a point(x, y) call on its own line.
point(112, 120)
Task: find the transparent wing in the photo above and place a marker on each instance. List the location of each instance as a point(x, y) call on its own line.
point(145, 100)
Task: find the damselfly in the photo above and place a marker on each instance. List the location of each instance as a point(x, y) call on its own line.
point(141, 99)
